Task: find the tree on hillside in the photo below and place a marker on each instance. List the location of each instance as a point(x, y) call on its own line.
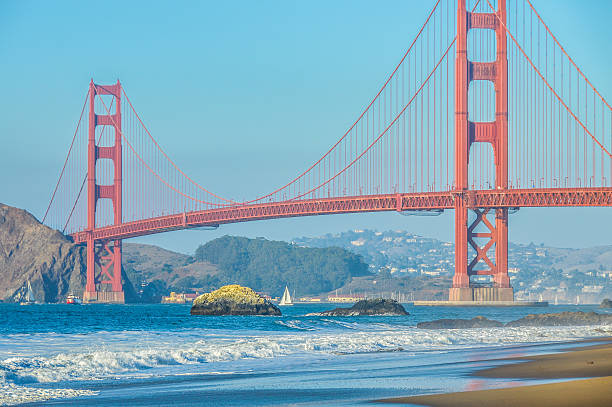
point(268, 265)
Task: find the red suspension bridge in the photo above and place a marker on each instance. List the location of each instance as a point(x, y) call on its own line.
point(485, 113)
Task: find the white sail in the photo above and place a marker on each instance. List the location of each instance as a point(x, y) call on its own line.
point(29, 297)
point(286, 298)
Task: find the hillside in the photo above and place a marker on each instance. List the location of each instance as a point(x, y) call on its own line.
point(55, 267)
point(554, 273)
point(404, 288)
point(155, 271)
point(263, 265)
point(399, 261)
point(268, 265)
point(31, 251)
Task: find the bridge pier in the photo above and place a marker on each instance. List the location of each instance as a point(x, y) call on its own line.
point(482, 294)
point(466, 134)
point(100, 254)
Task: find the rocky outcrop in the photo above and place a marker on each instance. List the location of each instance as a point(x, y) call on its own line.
point(233, 300)
point(477, 322)
point(563, 319)
point(560, 319)
point(607, 303)
point(366, 307)
point(31, 251)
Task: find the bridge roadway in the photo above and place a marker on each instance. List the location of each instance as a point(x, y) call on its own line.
point(490, 198)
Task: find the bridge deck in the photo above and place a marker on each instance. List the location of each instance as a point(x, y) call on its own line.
point(543, 197)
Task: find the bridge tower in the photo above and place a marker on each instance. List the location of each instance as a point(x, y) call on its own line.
point(467, 133)
point(103, 255)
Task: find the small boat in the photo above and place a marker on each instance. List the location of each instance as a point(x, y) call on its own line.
point(29, 297)
point(286, 299)
point(72, 299)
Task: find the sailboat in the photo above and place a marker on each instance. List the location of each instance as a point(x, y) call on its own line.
point(29, 297)
point(286, 299)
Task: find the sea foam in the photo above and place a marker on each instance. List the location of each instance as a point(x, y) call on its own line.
point(105, 362)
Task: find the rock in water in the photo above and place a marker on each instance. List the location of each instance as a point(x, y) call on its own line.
point(233, 300)
point(477, 322)
point(563, 319)
point(607, 303)
point(366, 307)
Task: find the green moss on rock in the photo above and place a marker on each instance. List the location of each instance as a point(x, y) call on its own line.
point(233, 300)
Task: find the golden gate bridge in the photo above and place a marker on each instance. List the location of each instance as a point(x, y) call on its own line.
point(485, 112)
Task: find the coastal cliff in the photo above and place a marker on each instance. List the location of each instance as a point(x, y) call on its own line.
point(31, 251)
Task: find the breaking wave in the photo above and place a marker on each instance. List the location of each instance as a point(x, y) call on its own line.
point(101, 363)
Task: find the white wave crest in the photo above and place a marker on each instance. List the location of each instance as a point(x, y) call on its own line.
point(103, 363)
point(11, 394)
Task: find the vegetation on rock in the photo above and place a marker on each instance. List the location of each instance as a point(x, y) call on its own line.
point(233, 300)
point(233, 292)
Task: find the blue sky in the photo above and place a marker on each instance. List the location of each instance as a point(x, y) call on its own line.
point(243, 95)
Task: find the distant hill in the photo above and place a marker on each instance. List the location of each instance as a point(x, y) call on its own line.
point(403, 288)
point(399, 261)
point(398, 251)
point(264, 265)
point(155, 271)
point(555, 273)
point(267, 266)
point(55, 267)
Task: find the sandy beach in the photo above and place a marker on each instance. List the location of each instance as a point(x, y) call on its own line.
point(591, 361)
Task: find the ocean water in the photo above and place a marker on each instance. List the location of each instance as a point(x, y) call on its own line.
point(159, 355)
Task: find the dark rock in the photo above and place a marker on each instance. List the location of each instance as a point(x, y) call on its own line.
point(233, 300)
point(607, 303)
point(477, 322)
point(563, 319)
point(366, 307)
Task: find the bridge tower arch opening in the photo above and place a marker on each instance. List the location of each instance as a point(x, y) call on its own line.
point(491, 244)
point(104, 256)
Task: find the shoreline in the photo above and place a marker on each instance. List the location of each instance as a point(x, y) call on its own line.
point(589, 365)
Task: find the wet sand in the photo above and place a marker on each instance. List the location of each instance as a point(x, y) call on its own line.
point(591, 361)
point(579, 393)
point(588, 361)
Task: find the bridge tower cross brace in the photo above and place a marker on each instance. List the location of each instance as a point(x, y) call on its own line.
point(467, 133)
point(104, 255)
